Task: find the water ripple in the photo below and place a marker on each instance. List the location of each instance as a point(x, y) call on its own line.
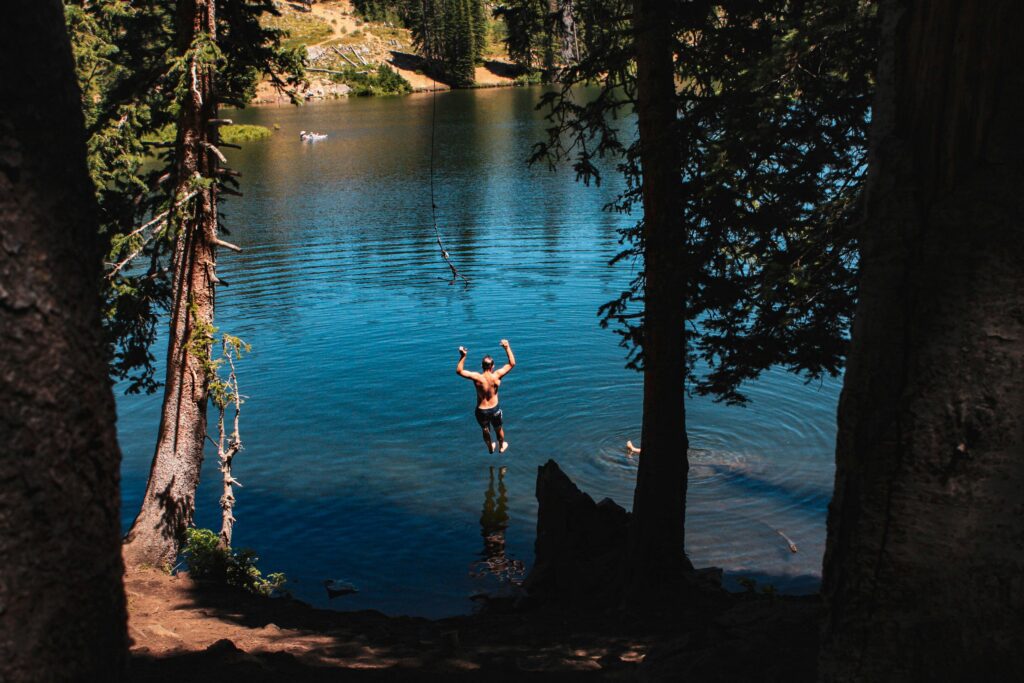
point(362, 457)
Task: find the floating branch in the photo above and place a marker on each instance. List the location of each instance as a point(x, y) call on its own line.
point(788, 540)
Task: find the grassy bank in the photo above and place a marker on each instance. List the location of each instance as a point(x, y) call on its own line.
point(244, 133)
point(234, 134)
point(302, 29)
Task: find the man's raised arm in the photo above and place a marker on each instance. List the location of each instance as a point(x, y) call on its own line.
point(511, 359)
point(462, 361)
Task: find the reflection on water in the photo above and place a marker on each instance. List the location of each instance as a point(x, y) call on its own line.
point(363, 458)
point(493, 523)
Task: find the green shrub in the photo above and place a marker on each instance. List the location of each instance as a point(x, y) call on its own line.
point(208, 561)
point(530, 78)
point(243, 133)
point(233, 134)
point(381, 81)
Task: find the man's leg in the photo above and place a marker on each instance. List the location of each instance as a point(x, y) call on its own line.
point(500, 431)
point(487, 439)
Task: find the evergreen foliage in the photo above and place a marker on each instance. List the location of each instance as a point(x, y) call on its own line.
point(537, 38)
point(773, 110)
point(525, 33)
point(131, 79)
point(381, 81)
point(450, 34)
point(391, 11)
point(480, 29)
point(460, 46)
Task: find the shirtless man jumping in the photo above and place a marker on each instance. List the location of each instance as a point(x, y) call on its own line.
point(488, 413)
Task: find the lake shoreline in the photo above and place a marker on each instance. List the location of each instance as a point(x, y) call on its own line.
point(323, 90)
point(184, 630)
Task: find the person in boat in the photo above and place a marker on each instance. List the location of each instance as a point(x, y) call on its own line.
point(488, 412)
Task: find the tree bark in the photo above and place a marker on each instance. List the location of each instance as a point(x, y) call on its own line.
point(567, 31)
point(62, 608)
point(169, 503)
point(659, 503)
point(925, 556)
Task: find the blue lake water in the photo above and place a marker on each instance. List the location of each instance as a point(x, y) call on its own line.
point(362, 459)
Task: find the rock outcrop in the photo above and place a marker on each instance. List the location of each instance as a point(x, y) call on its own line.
point(581, 545)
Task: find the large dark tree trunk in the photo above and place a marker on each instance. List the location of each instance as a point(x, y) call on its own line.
point(169, 502)
point(656, 536)
point(924, 568)
point(62, 611)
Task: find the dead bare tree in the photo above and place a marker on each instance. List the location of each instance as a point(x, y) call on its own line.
point(226, 394)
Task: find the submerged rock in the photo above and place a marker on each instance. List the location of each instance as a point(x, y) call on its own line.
point(337, 588)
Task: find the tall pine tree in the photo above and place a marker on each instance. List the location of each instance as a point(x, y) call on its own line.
point(163, 223)
point(770, 117)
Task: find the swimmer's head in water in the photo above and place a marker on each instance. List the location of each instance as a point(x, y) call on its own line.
point(487, 363)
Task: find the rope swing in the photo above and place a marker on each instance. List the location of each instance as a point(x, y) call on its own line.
point(456, 275)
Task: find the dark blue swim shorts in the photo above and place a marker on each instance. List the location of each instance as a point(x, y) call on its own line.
point(489, 416)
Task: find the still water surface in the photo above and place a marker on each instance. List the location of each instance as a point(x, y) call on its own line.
point(362, 458)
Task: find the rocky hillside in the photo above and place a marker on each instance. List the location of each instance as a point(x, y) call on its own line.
point(343, 51)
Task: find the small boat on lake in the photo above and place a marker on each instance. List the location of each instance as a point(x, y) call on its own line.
point(311, 136)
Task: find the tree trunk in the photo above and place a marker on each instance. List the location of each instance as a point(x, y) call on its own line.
point(169, 502)
point(567, 31)
point(925, 555)
point(62, 609)
point(659, 504)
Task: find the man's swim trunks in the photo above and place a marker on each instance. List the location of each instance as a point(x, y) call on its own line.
point(489, 416)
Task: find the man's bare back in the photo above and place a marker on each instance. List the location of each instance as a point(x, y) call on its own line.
point(487, 383)
point(488, 414)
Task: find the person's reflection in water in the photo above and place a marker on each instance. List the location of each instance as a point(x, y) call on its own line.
point(493, 522)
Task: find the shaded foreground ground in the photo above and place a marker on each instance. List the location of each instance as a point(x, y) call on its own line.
point(185, 631)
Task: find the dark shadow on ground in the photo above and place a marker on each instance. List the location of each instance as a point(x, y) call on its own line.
point(222, 662)
point(504, 69)
point(287, 640)
point(411, 62)
point(260, 639)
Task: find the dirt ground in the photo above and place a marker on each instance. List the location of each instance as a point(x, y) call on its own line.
point(183, 631)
